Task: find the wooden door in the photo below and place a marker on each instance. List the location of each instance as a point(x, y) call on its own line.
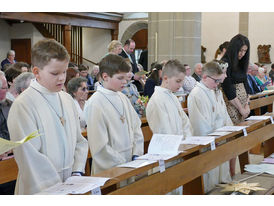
point(22, 48)
point(141, 39)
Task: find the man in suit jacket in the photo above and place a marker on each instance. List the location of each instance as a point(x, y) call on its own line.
point(197, 72)
point(252, 72)
point(128, 52)
point(143, 59)
point(9, 60)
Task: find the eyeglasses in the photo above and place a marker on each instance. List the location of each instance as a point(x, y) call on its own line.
point(217, 81)
point(84, 89)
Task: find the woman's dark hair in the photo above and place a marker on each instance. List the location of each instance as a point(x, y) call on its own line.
point(155, 73)
point(232, 52)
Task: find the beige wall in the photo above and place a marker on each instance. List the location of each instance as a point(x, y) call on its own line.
point(95, 42)
point(216, 28)
point(261, 31)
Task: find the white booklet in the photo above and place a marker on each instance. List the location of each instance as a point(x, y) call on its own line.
point(199, 140)
point(162, 147)
point(137, 163)
point(219, 133)
point(75, 185)
point(231, 128)
point(258, 118)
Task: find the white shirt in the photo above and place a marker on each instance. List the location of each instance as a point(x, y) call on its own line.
point(189, 84)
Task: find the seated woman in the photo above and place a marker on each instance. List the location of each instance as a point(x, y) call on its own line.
point(153, 80)
point(260, 79)
point(78, 89)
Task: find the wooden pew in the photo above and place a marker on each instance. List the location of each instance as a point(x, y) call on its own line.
point(262, 99)
point(8, 170)
point(256, 102)
point(195, 166)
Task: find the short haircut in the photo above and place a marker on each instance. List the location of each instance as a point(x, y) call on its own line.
point(272, 66)
point(212, 68)
point(10, 52)
point(21, 81)
point(82, 67)
point(113, 44)
point(45, 50)
point(113, 64)
point(128, 41)
point(1, 74)
point(172, 68)
point(74, 84)
point(12, 73)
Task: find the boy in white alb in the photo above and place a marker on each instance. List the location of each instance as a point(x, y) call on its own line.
point(116, 137)
point(164, 112)
point(207, 113)
point(61, 150)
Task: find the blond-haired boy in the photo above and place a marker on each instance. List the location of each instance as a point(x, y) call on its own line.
point(61, 149)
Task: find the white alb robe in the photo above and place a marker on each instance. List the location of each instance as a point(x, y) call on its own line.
point(50, 158)
point(111, 141)
point(207, 112)
point(81, 115)
point(165, 114)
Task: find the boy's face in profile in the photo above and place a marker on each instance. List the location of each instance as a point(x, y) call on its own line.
point(176, 82)
point(115, 83)
point(213, 81)
point(53, 75)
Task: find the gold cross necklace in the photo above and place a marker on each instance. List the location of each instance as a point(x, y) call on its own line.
point(122, 116)
point(62, 119)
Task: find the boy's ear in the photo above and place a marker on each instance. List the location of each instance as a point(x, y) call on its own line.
point(35, 71)
point(105, 76)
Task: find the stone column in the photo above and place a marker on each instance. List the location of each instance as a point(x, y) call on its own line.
point(174, 35)
point(243, 23)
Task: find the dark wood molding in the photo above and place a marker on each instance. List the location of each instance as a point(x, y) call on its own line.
point(83, 19)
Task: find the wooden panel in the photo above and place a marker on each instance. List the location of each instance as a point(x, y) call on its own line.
point(8, 170)
point(22, 48)
point(257, 103)
point(59, 18)
point(141, 39)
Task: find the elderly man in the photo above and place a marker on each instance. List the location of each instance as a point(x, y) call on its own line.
point(252, 72)
point(197, 72)
point(128, 52)
point(9, 60)
point(6, 188)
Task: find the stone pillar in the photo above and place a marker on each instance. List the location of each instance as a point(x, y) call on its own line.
point(243, 23)
point(174, 35)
